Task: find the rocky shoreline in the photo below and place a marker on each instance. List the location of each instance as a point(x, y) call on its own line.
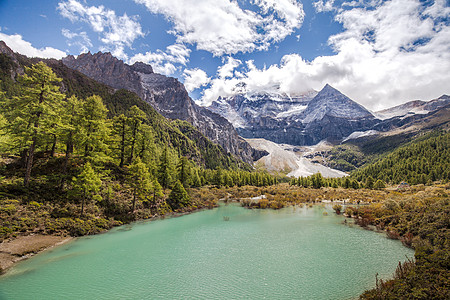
point(14, 250)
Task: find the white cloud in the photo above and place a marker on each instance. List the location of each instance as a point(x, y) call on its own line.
point(322, 5)
point(438, 9)
point(195, 78)
point(389, 54)
point(77, 39)
point(227, 69)
point(163, 62)
point(17, 44)
point(115, 31)
point(223, 27)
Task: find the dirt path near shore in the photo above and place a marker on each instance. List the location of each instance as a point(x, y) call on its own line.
point(24, 247)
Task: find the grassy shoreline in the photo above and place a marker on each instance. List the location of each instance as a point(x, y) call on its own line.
point(418, 217)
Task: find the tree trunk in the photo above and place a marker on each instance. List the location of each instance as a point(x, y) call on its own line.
point(122, 146)
point(86, 147)
point(133, 141)
point(134, 201)
point(69, 152)
point(55, 139)
point(24, 157)
point(83, 200)
point(26, 179)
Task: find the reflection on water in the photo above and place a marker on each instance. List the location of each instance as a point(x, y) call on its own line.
point(228, 252)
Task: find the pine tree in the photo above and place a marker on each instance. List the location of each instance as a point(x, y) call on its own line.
point(120, 128)
point(33, 116)
point(71, 123)
point(164, 176)
point(218, 177)
point(184, 172)
point(157, 191)
point(146, 146)
point(178, 197)
point(369, 182)
point(87, 184)
point(196, 181)
point(139, 180)
point(94, 130)
point(135, 117)
point(379, 184)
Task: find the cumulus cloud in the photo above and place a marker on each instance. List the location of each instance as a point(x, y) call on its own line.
point(227, 69)
point(394, 52)
point(321, 5)
point(164, 62)
point(80, 40)
point(17, 44)
point(195, 78)
point(223, 27)
point(116, 32)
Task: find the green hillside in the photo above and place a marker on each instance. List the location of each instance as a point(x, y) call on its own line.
point(166, 132)
point(425, 159)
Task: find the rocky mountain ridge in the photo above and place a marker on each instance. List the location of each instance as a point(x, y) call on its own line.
point(166, 94)
point(304, 120)
point(413, 107)
point(326, 115)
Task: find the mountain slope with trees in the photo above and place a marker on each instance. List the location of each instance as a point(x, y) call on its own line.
point(118, 102)
point(424, 160)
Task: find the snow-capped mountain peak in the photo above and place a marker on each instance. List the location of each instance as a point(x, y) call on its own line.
point(294, 119)
point(331, 102)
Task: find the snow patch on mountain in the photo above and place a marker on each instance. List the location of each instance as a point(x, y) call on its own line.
point(412, 108)
point(294, 110)
point(359, 134)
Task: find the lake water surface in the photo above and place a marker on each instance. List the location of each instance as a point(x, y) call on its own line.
point(257, 254)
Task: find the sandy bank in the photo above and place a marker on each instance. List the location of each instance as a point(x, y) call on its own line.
point(23, 247)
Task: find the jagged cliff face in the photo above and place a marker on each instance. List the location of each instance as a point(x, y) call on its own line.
point(301, 120)
point(4, 49)
point(166, 94)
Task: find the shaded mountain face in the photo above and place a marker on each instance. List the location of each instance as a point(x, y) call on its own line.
point(301, 120)
point(166, 94)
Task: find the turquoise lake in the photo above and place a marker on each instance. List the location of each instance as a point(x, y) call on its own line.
point(257, 254)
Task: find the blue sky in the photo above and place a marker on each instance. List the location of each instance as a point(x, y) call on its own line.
point(379, 53)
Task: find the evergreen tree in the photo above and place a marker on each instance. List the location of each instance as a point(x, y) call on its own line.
point(139, 180)
point(184, 172)
point(135, 117)
point(120, 128)
point(95, 130)
point(71, 124)
point(87, 184)
point(164, 176)
point(379, 184)
point(146, 146)
point(157, 191)
point(218, 177)
point(196, 180)
point(369, 182)
point(33, 116)
point(178, 198)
